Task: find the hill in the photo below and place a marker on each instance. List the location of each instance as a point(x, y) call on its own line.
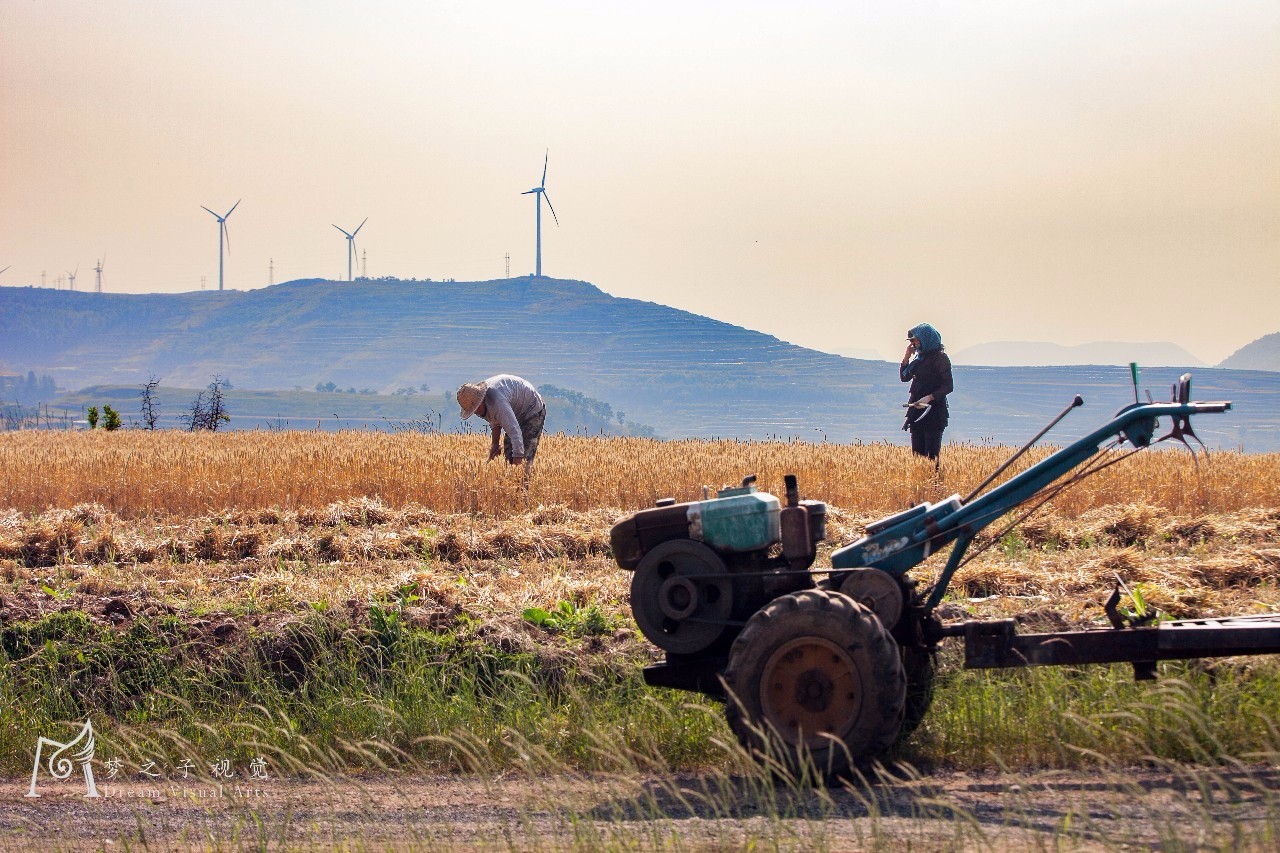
point(1043, 354)
point(1262, 354)
point(684, 374)
point(423, 411)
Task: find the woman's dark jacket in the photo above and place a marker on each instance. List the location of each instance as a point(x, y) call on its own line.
point(930, 373)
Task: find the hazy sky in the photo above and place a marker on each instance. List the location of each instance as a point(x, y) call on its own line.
point(828, 172)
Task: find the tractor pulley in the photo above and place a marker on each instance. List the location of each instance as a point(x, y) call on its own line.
point(682, 596)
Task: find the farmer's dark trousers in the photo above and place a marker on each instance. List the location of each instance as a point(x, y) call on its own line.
point(530, 432)
point(926, 442)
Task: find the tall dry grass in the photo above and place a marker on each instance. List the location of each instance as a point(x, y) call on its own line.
point(137, 473)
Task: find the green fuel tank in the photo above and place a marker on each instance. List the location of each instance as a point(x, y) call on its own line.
point(739, 520)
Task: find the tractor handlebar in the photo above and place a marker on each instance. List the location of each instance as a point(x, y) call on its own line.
point(898, 543)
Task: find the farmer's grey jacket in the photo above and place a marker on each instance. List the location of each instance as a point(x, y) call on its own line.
point(509, 401)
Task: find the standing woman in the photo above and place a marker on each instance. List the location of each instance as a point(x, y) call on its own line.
point(927, 367)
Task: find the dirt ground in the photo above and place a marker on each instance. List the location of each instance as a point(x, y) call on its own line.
point(1135, 809)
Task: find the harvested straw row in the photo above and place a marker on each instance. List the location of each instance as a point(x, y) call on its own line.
point(350, 531)
point(364, 529)
point(362, 550)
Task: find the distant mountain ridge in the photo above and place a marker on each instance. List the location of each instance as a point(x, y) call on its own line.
point(1044, 354)
point(1262, 354)
point(684, 374)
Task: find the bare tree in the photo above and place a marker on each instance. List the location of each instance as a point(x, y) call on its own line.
point(208, 412)
point(150, 405)
point(197, 415)
point(217, 403)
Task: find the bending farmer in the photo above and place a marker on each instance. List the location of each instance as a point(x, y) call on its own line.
point(512, 406)
point(928, 368)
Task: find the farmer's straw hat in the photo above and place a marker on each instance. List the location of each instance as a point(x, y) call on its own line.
point(470, 396)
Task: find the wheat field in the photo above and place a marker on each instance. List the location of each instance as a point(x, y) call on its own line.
point(276, 520)
point(252, 547)
point(140, 473)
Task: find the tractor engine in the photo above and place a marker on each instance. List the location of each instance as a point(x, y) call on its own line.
point(701, 569)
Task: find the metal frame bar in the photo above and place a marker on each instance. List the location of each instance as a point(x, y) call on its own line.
point(997, 645)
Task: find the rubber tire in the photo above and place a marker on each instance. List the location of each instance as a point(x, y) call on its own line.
point(830, 618)
point(920, 665)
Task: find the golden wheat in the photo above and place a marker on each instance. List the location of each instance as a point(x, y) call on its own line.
point(139, 473)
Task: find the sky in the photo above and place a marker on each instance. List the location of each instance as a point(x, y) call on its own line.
point(831, 173)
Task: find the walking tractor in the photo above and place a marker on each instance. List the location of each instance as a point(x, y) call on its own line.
point(832, 665)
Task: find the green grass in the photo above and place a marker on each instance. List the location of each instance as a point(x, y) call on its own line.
point(318, 685)
point(485, 697)
point(327, 698)
point(1070, 717)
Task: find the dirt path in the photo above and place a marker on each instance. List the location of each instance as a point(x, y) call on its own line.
point(1140, 808)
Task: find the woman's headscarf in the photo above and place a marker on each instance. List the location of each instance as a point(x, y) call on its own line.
point(929, 337)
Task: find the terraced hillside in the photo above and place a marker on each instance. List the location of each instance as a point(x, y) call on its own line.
point(685, 374)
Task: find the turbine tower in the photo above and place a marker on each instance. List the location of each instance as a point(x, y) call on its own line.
point(222, 232)
point(98, 270)
point(540, 193)
point(72, 276)
point(351, 245)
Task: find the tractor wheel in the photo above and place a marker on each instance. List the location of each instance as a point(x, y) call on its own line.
point(920, 667)
point(815, 684)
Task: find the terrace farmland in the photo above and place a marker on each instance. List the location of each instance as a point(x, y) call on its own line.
point(354, 605)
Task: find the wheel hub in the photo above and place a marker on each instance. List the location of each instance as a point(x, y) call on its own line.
point(813, 690)
point(810, 692)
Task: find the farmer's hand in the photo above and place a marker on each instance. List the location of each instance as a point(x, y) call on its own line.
point(911, 350)
point(517, 460)
point(493, 452)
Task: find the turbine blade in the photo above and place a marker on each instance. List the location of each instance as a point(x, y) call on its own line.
point(344, 232)
point(545, 156)
point(6, 268)
point(534, 190)
point(215, 216)
point(233, 207)
point(553, 210)
point(357, 231)
point(227, 235)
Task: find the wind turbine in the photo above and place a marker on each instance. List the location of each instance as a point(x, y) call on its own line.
point(222, 231)
point(98, 269)
point(351, 245)
point(540, 193)
point(72, 276)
